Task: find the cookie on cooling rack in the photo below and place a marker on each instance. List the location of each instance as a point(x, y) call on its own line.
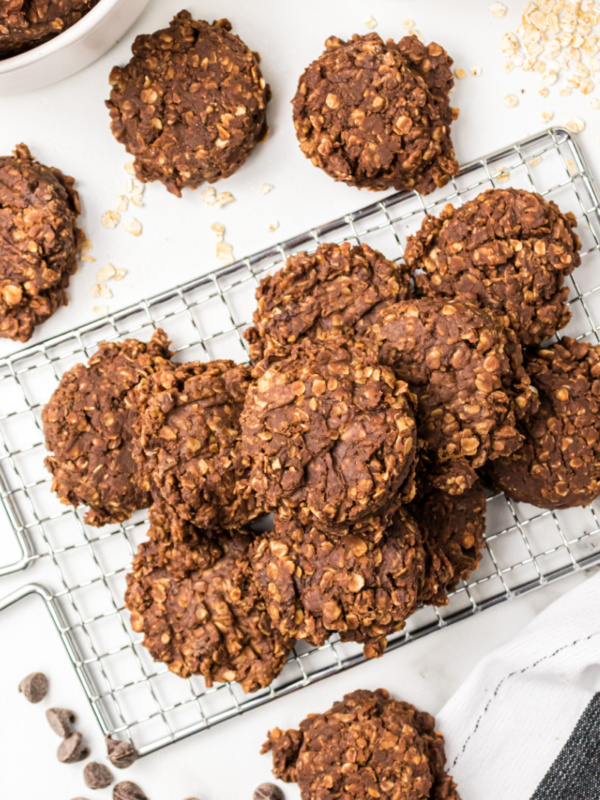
point(39, 241)
point(367, 745)
point(190, 105)
point(509, 251)
point(468, 379)
point(316, 294)
point(89, 425)
point(193, 597)
point(453, 528)
point(189, 441)
point(25, 24)
point(362, 585)
point(330, 434)
point(377, 115)
point(559, 464)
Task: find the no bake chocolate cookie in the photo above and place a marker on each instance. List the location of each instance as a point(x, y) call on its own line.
point(189, 441)
point(369, 745)
point(89, 425)
point(316, 294)
point(509, 251)
point(456, 359)
point(190, 105)
point(194, 599)
point(559, 464)
point(330, 434)
point(363, 584)
point(25, 24)
point(376, 114)
point(39, 242)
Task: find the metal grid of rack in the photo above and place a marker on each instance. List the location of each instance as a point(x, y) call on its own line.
point(83, 569)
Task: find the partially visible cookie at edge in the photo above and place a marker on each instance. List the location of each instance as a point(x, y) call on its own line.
point(25, 24)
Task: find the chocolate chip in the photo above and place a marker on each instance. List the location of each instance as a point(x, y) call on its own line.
point(126, 790)
point(60, 720)
point(71, 749)
point(34, 687)
point(97, 776)
point(121, 754)
point(268, 791)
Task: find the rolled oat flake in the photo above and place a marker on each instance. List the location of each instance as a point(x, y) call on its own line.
point(71, 749)
point(97, 776)
point(60, 720)
point(268, 791)
point(34, 687)
point(126, 790)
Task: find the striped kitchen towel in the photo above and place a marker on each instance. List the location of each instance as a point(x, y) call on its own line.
point(525, 725)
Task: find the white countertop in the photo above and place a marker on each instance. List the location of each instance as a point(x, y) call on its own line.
point(67, 125)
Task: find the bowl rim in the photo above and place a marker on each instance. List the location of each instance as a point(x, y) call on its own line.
point(89, 21)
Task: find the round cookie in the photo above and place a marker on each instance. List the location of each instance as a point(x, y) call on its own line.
point(369, 745)
point(193, 597)
point(507, 250)
point(362, 585)
point(190, 105)
point(457, 361)
point(189, 441)
point(453, 528)
point(558, 466)
point(39, 242)
point(89, 424)
point(25, 24)
point(316, 294)
point(376, 114)
point(330, 434)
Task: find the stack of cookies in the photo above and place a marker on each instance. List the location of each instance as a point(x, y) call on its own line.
point(379, 398)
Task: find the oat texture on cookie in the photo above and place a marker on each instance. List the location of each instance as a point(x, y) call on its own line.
point(25, 24)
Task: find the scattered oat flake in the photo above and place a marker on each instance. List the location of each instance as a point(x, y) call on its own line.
point(408, 24)
point(110, 219)
point(119, 274)
point(224, 251)
point(418, 35)
point(371, 23)
point(122, 203)
point(100, 290)
point(105, 273)
point(137, 199)
point(498, 10)
point(133, 226)
point(546, 116)
point(572, 166)
point(476, 71)
point(511, 101)
point(543, 91)
point(595, 104)
point(272, 226)
point(266, 188)
point(502, 175)
point(460, 73)
point(130, 168)
point(535, 161)
point(575, 125)
point(209, 196)
point(129, 185)
point(100, 310)
point(90, 259)
point(223, 199)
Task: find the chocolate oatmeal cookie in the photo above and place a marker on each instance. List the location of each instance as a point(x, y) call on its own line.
point(559, 464)
point(509, 251)
point(453, 528)
point(470, 385)
point(89, 424)
point(39, 242)
point(376, 114)
point(189, 441)
point(330, 434)
point(362, 585)
point(369, 745)
point(193, 597)
point(190, 105)
point(316, 294)
point(25, 24)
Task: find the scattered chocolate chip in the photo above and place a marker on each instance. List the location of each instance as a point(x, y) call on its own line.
point(126, 790)
point(60, 720)
point(34, 687)
point(268, 791)
point(97, 776)
point(71, 749)
point(121, 754)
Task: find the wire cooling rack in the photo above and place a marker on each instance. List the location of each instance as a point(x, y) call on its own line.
point(83, 569)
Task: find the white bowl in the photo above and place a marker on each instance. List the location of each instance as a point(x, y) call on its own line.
point(71, 51)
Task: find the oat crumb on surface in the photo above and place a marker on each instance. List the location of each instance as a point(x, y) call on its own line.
point(133, 226)
point(498, 10)
point(371, 23)
point(546, 116)
point(100, 310)
point(122, 203)
point(460, 73)
point(535, 161)
point(511, 101)
point(575, 125)
point(130, 168)
point(119, 274)
point(272, 226)
point(110, 219)
point(266, 188)
point(105, 273)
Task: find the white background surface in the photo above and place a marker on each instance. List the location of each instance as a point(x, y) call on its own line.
point(67, 125)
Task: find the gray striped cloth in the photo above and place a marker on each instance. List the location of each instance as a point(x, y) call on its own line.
point(525, 725)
